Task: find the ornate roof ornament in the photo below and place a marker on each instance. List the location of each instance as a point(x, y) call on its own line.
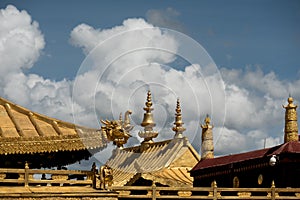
point(207, 123)
point(207, 146)
point(148, 123)
point(117, 131)
point(178, 128)
point(291, 124)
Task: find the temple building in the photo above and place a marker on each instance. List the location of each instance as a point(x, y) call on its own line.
point(43, 142)
point(171, 168)
point(260, 168)
point(164, 163)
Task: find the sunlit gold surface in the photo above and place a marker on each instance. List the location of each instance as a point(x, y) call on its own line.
point(207, 147)
point(165, 162)
point(117, 131)
point(148, 123)
point(178, 128)
point(23, 131)
point(291, 124)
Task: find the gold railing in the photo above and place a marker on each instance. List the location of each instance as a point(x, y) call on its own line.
point(153, 192)
point(26, 178)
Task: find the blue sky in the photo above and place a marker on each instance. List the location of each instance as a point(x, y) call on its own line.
point(235, 33)
point(254, 44)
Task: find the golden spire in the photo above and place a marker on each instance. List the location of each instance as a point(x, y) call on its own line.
point(148, 122)
point(291, 124)
point(207, 146)
point(178, 128)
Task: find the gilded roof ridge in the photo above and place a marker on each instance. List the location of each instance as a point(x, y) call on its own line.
point(40, 116)
point(161, 159)
point(150, 145)
point(165, 142)
point(23, 131)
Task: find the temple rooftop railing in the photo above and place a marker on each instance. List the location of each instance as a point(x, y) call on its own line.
point(64, 180)
point(47, 177)
point(153, 192)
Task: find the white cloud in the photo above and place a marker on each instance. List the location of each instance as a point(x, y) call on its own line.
point(118, 79)
point(229, 141)
point(19, 36)
point(88, 38)
point(261, 139)
point(232, 141)
point(254, 104)
point(123, 62)
point(257, 82)
point(21, 44)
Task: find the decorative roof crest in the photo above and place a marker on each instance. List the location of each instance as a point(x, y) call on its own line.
point(178, 128)
point(117, 131)
point(148, 123)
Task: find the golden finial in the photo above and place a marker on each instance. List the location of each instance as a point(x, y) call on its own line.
point(148, 122)
point(207, 120)
point(291, 124)
point(273, 184)
point(290, 101)
point(178, 128)
point(26, 165)
point(178, 109)
point(148, 102)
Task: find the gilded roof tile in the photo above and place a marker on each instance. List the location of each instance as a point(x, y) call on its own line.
point(160, 162)
point(23, 131)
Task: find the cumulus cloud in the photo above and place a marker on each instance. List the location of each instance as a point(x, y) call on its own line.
point(254, 102)
point(21, 37)
point(122, 66)
point(123, 62)
point(259, 96)
point(21, 44)
point(229, 140)
point(119, 77)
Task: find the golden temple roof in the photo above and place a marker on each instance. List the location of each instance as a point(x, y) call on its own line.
point(25, 132)
point(167, 162)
